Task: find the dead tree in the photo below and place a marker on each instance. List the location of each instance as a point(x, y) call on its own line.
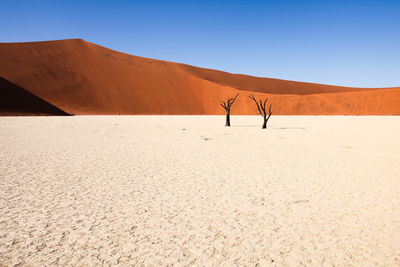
point(262, 110)
point(227, 106)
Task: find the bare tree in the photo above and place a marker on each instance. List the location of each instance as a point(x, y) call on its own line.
point(227, 106)
point(262, 110)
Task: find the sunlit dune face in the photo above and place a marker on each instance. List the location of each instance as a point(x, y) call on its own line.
point(79, 77)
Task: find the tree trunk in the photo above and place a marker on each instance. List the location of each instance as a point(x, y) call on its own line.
point(228, 119)
point(265, 122)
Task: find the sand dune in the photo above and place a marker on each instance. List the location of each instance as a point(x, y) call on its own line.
point(266, 85)
point(83, 78)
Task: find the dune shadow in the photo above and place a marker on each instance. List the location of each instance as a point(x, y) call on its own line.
point(277, 128)
point(246, 126)
point(15, 100)
point(290, 128)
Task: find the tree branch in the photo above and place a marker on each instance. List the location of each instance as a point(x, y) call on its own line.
point(234, 99)
point(222, 103)
point(255, 101)
point(270, 112)
point(262, 107)
point(265, 102)
point(228, 104)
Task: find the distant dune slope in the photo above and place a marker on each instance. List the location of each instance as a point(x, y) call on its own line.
point(83, 78)
point(14, 100)
point(265, 85)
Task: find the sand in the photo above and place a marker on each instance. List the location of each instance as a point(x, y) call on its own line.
point(82, 78)
point(181, 190)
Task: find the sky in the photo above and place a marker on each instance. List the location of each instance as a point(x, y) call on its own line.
point(349, 43)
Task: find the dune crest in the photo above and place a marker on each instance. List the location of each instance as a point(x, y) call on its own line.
point(79, 77)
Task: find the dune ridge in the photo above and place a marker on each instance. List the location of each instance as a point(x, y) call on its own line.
point(80, 77)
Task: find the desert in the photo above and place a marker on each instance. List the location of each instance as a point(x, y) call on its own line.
point(199, 133)
point(185, 190)
point(82, 78)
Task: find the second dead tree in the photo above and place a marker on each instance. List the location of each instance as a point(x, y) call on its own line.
point(262, 110)
point(227, 106)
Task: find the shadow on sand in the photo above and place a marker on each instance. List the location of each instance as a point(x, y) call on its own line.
point(280, 128)
point(290, 128)
point(246, 126)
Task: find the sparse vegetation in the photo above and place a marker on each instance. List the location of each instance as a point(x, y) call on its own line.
point(261, 106)
point(227, 106)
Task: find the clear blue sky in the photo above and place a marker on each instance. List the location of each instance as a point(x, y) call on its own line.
point(352, 43)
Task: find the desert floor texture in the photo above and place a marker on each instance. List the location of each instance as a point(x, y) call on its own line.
point(181, 190)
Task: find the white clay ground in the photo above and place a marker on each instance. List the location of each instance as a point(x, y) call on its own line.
point(181, 190)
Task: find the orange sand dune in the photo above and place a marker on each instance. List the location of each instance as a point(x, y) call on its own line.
point(266, 85)
point(83, 78)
